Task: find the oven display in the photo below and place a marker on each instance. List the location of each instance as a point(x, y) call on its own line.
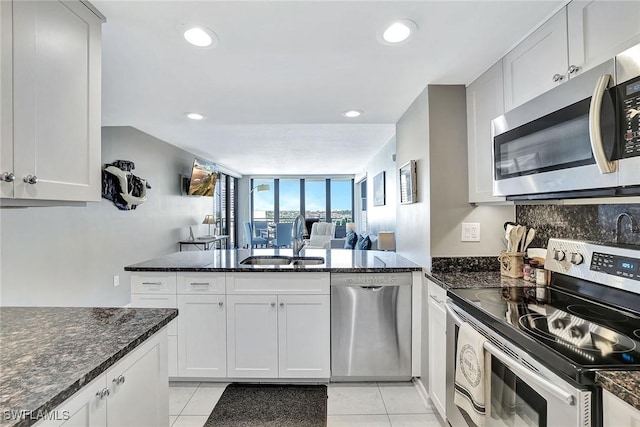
point(616, 265)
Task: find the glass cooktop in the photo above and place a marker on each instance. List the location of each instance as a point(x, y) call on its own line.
point(589, 334)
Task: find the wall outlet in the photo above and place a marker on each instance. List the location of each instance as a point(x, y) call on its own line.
point(470, 232)
point(116, 280)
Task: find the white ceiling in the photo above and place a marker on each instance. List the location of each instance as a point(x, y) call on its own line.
point(283, 72)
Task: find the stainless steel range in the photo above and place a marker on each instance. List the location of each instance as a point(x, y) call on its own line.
point(547, 342)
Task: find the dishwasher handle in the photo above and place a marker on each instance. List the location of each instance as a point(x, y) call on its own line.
point(371, 288)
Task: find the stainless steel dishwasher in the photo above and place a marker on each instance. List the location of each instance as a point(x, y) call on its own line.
point(370, 326)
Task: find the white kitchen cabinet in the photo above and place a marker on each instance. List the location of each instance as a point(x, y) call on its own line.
point(51, 60)
point(252, 336)
point(485, 102)
point(86, 408)
point(202, 334)
point(133, 392)
point(437, 346)
point(617, 412)
point(304, 336)
point(600, 29)
point(158, 290)
point(538, 63)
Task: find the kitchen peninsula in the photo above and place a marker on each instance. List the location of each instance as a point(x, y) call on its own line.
point(247, 315)
point(60, 364)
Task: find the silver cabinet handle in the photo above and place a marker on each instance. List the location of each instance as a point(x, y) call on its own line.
point(220, 303)
point(281, 304)
point(573, 69)
point(8, 177)
point(273, 304)
point(557, 78)
point(595, 134)
point(152, 283)
point(103, 393)
point(529, 377)
point(119, 380)
point(199, 284)
point(433, 297)
point(31, 179)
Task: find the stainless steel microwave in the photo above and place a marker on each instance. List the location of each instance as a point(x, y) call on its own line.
point(581, 139)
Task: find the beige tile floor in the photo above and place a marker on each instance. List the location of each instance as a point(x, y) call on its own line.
point(349, 404)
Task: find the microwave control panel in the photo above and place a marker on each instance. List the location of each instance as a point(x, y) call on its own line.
point(630, 103)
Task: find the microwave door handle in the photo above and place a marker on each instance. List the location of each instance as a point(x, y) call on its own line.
point(523, 372)
point(595, 133)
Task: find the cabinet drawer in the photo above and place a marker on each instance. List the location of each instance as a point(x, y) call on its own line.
point(437, 294)
point(159, 283)
point(201, 283)
point(278, 283)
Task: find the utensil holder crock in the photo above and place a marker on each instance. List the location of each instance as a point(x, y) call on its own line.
point(511, 263)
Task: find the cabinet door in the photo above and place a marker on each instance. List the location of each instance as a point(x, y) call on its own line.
point(6, 105)
point(485, 102)
point(529, 69)
point(303, 336)
point(84, 409)
point(139, 386)
point(202, 350)
point(599, 30)
point(252, 336)
point(617, 412)
point(56, 95)
point(437, 347)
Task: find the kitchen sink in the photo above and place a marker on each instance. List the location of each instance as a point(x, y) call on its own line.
point(281, 260)
point(307, 261)
point(266, 260)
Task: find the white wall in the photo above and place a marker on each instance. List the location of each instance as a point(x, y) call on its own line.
point(433, 132)
point(382, 218)
point(69, 255)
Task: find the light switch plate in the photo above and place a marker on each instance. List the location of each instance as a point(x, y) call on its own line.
point(470, 232)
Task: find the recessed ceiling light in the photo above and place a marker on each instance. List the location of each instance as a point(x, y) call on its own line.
point(200, 37)
point(195, 116)
point(399, 31)
point(352, 113)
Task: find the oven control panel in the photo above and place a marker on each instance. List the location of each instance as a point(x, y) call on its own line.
point(608, 265)
point(616, 265)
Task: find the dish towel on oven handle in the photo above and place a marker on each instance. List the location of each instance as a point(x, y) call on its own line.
point(473, 363)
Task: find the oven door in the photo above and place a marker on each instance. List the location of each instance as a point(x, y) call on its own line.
point(564, 140)
point(523, 392)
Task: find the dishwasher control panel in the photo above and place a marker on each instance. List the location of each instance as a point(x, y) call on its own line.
point(371, 279)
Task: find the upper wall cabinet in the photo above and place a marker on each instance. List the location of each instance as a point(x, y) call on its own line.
point(537, 64)
point(577, 38)
point(484, 103)
point(599, 30)
point(51, 65)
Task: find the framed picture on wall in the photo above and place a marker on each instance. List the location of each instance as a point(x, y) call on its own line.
point(408, 182)
point(378, 189)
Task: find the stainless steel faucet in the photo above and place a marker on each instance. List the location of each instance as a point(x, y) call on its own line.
point(297, 239)
point(634, 224)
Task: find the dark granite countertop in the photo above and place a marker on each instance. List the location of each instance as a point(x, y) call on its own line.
point(336, 261)
point(49, 353)
point(623, 384)
point(478, 279)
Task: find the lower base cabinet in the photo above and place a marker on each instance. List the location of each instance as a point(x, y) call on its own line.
point(617, 413)
point(278, 336)
point(132, 393)
point(202, 350)
point(437, 346)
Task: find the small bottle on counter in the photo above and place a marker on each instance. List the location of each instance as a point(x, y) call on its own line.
point(533, 265)
point(541, 276)
point(526, 272)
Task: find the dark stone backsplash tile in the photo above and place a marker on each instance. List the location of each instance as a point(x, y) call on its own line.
point(580, 222)
point(464, 264)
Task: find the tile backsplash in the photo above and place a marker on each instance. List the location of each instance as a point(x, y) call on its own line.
point(581, 222)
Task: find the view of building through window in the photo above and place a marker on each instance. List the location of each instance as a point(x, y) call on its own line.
point(316, 197)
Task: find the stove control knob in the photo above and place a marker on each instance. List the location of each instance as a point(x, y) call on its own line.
point(576, 258)
point(576, 332)
point(558, 255)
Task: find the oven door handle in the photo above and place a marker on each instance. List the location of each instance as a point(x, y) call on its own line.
point(595, 132)
point(518, 368)
point(525, 373)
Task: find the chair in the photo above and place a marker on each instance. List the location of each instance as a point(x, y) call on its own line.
point(253, 241)
point(283, 234)
point(261, 228)
point(321, 235)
